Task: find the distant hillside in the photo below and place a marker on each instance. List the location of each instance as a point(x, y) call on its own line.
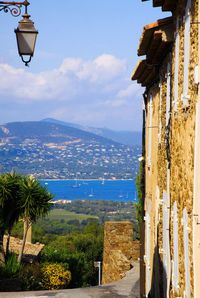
point(124, 137)
point(52, 150)
point(46, 132)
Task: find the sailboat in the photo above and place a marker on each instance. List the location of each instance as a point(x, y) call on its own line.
point(103, 181)
point(121, 194)
point(76, 184)
point(91, 193)
point(135, 198)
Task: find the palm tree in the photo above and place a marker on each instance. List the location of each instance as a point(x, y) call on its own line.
point(4, 197)
point(35, 203)
point(9, 208)
point(14, 212)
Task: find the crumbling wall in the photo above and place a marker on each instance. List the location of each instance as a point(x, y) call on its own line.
point(119, 250)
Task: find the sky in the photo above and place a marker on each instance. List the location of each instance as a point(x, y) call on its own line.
point(80, 73)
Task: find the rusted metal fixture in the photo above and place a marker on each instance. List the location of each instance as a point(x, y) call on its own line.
point(13, 7)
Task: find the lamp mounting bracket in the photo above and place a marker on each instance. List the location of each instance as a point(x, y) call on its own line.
point(13, 7)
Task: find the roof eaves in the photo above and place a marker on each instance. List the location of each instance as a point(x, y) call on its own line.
point(144, 73)
point(149, 32)
point(167, 5)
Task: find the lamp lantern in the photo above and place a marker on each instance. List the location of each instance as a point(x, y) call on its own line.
point(26, 35)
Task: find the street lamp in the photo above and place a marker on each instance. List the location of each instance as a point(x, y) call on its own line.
point(26, 33)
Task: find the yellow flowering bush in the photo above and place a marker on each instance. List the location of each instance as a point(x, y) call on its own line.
point(55, 276)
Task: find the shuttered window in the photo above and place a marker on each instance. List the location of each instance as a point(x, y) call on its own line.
point(176, 71)
point(186, 254)
point(150, 129)
point(166, 247)
point(175, 271)
point(186, 53)
point(168, 97)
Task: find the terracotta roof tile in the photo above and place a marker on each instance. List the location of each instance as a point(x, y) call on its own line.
point(154, 34)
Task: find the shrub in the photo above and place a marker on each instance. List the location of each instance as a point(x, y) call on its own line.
point(31, 276)
point(55, 277)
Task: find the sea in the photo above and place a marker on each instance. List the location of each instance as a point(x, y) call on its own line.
point(106, 190)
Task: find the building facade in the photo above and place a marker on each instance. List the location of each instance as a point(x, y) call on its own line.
point(170, 73)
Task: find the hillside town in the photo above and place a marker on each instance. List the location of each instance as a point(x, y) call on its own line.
point(60, 156)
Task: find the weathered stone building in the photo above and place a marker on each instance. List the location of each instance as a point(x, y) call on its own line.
point(170, 73)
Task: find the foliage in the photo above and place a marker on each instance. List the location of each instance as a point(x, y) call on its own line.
point(55, 277)
point(9, 206)
point(35, 202)
point(103, 210)
point(140, 191)
point(78, 251)
point(17, 230)
point(20, 196)
point(34, 199)
point(31, 276)
point(12, 267)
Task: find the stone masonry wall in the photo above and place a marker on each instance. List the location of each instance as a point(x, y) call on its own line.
point(151, 202)
point(182, 143)
point(119, 250)
point(182, 136)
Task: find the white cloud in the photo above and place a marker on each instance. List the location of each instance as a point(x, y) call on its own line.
point(89, 91)
point(72, 77)
point(130, 91)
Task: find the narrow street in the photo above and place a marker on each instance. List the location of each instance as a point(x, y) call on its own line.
point(127, 287)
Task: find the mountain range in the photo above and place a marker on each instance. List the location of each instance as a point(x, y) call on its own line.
point(124, 137)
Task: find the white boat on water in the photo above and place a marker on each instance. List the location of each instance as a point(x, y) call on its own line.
point(91, 193)
point(76, 184)
point(121, 194)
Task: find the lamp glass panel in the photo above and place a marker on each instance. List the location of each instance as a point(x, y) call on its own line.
point(26, 42)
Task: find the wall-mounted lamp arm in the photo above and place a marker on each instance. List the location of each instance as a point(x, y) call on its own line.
point(13, 7)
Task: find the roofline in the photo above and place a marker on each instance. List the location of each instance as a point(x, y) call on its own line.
point(158, 23)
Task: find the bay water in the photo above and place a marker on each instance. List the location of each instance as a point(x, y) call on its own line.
point(106, 190)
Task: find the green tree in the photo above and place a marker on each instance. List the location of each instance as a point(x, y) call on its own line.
point(13, 207)
point(140, 185)
point(34, 201)
point(9, 208)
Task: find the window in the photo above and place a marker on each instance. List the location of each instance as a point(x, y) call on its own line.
point(186, 254)
point(176, 71)
point(175, 269)
point(150, 130)
point(186, 53)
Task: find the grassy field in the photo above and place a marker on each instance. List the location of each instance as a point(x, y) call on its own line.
point(61, 214)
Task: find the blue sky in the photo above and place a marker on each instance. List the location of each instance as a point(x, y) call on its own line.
point(85, 53)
